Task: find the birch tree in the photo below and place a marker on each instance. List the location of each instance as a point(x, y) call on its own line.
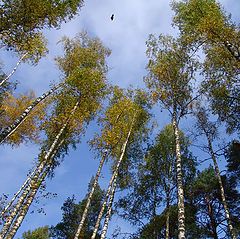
point(34, 105)
point(124, 121)
point(73, 110)
point(154, 187)
point(170, 71)
point(21, 22)
point(210, 132)
point(206, 22)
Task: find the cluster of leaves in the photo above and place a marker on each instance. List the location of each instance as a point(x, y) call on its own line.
point(205, 23)
point(170, 72)
point(21, 22)
point(85, 84)
point(12, 107)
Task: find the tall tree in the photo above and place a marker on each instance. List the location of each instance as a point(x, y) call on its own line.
point(170, 71)
point(210, 132)
point(124, 123)
point(12, 125)
point(72, 111)
point(233, 162)
point(39, 233)
point(11, 107)
point(90, 195)
point(205, 194)
point(155, 185)
point(206, 23)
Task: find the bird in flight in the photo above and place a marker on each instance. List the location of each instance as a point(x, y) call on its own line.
point(112, 17)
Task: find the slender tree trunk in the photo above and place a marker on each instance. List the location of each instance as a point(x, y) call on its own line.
point(212, 219)
point(23, 211)
point(235, 51)
point(34, 189)
point(167, 236)
point(109, 210)
point(13, 127)
point(181, 210)
point(18, 193)
point(39, 170)
point(115, 174)
point(224, 202)
point(154, 211)
point(14, 69)
point(86, 209)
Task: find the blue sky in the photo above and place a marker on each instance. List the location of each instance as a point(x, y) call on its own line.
point(126, 37)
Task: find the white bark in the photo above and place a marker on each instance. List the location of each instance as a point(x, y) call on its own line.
point(234, 50)
point(86, 209)
point(14, 69)
point(167, 235)
point(181, 210)
point(24, 209)
point(39, 170)
point(34, 189)
point(18, 193)
point(224, 202)
point(109, 210)
point(13, 127)
point(115, 174)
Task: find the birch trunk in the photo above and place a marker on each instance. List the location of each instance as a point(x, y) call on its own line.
point(14, 69)
point(18, 193)
point(167, 236)
point(181, 210)
point(109, 210)
point(21, 215)
point(39, 170)
point(235, 51)
point(224, 202)
point(13, 127)
point(34, 189)
point(115, 174)
point(86, 209)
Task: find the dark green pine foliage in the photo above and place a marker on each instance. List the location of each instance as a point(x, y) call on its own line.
point(39, 233)
point(159, 224)
point(71, 216)
point(205, 196)
point(233, 161)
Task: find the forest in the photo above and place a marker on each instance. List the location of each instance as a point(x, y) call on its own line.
point(119, 120)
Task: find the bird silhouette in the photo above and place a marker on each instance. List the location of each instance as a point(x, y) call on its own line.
point(112, 17)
